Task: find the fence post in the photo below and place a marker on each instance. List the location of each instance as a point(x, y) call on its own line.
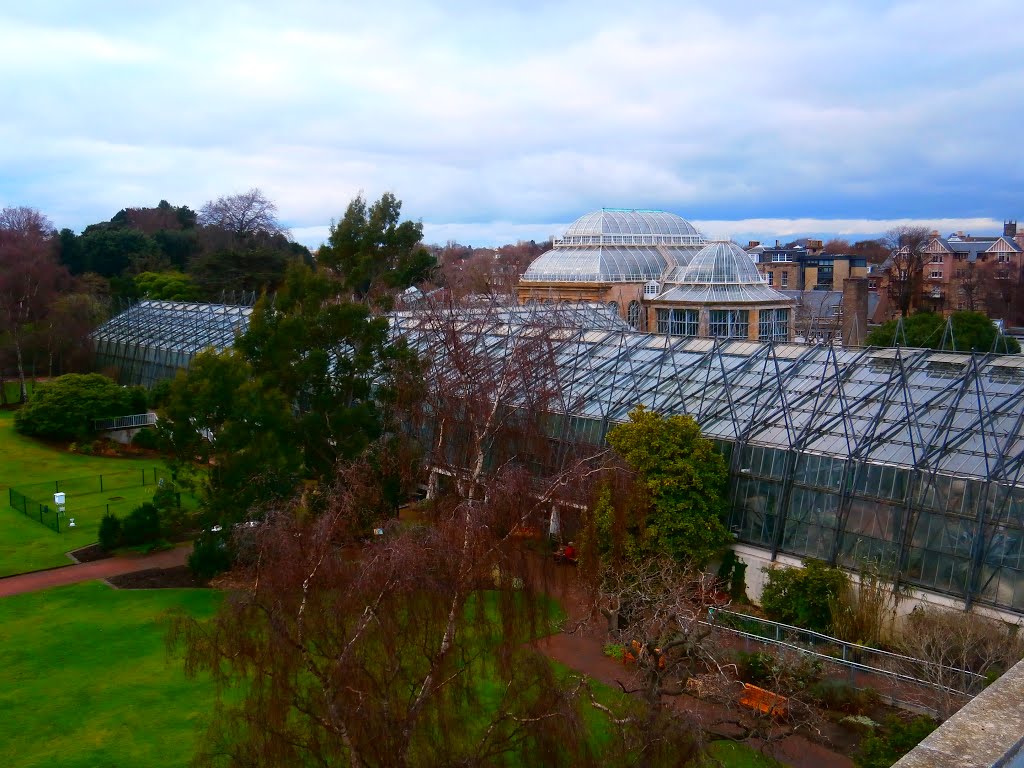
point(56, 485)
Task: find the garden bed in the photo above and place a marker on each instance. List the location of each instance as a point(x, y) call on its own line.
point(89, 554)
point(157, 578)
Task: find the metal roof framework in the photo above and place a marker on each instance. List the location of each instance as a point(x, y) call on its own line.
point(151, 340)
point(914, 458)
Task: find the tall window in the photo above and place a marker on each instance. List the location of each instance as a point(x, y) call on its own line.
point(773, 325)
point(784, 280)
point(614, 307)
point(678, 322)
point(634, 314)
point(771, 278)
point(729, 323)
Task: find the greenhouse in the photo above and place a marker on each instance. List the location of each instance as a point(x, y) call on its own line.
point(721, 294)
point(610, 256)
point(907, 458)
point(613, 245)
point(153, 340)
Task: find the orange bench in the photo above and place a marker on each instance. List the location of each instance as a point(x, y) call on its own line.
point(764, 701)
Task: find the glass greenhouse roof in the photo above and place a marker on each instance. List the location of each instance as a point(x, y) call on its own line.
point(613, 245)
point(175, 325)
point(662, 227)
point(619, 264)
point(949, 413)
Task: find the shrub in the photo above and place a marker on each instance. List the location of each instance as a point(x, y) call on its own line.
point(804, 597)
point(160, 392)
point(64, 409)
point(732, 576)
point(210, 555)
point(142, 526)
point(146, 438)
point(614, 651)
point(110, 532)
point(881, 750)
point(783, 673)
point(842, 696)
point(757, 668)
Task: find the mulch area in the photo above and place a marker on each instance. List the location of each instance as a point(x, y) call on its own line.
point(157, 578)
point(89, 554)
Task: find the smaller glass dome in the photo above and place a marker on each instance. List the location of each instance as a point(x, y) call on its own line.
point(719, 262)
point(719, 272)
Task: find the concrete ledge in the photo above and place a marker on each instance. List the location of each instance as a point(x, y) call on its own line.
point(988, 732)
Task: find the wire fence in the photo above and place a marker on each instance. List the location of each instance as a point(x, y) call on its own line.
point(44, 513)
point(42, 501)
point(83, 486)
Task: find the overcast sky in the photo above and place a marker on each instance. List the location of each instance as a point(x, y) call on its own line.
point(500, 121)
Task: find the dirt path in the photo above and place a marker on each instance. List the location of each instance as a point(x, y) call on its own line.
point(98, 569)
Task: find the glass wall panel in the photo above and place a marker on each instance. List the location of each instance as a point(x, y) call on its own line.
point(755, 511)
point(678, 322)
point(810, 523)
point(729, 323)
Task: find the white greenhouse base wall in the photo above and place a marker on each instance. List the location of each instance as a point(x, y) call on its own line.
point(758, 559)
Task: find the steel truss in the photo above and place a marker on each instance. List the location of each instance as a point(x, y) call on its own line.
point(910, 458)
point(152, 340)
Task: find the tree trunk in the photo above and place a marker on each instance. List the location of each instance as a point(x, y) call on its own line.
point(21, 372)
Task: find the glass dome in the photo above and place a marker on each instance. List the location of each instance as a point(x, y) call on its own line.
point(719, 272)
point(617, 245)
point(614, 226)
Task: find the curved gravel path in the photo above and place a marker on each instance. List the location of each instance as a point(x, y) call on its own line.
point(98, 569)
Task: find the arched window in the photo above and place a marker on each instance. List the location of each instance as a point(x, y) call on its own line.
point(614, 307)
point(634, 315)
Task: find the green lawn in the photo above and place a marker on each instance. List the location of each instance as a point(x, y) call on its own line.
point(25, 544)
point(12, 389)
point(85, 680)
point(731, 754)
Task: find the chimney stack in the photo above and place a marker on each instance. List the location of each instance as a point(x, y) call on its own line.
point(855, 311)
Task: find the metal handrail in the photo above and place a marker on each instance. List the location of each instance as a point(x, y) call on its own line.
point(125, 422)
point(854, 648)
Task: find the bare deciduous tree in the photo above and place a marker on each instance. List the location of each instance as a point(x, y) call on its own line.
point(377, 653)
point(955, 646)
point(969, 285)
point(29, 277)
point(26, 222)
point(836, 245)
point(906, 263)
point(245, 214)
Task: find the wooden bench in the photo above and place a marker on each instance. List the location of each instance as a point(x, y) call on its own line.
point(764, 701)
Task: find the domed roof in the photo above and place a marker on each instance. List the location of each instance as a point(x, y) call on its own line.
point(718, 262)
point(617, 245)
point(660, 226)
point(719, 272)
